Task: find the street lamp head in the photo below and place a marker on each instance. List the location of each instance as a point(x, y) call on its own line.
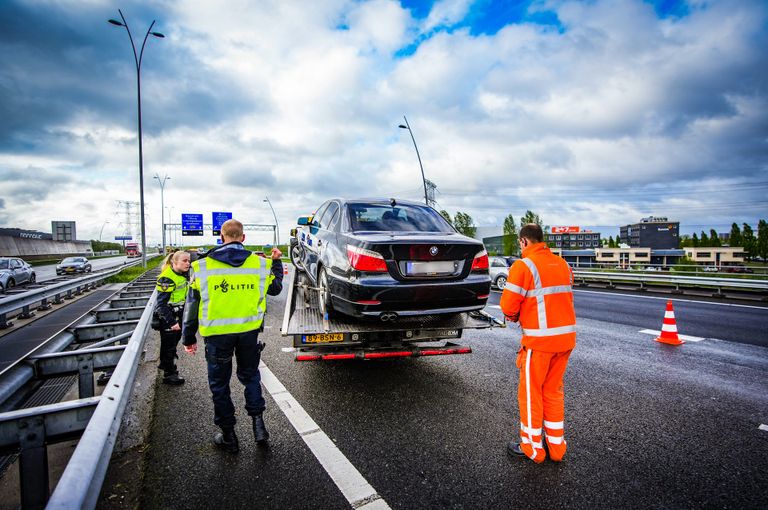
point(401, 126)
point(158, 34)
point(115, 22)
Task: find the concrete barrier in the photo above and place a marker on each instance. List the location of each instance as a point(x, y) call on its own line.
point(39, 249)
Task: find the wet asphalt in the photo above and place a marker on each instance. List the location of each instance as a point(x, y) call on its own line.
point(648, 425)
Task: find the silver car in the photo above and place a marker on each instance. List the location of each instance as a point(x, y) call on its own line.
point(13, 272)
point(498, 268)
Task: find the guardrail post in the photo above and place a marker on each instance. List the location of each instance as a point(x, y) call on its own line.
point(85, 379)
point(25, 313)
point(44, 305)
point(33, 463)
point(4, 323)
point(57, 300)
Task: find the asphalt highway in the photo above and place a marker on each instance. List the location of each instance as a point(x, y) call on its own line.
point(48, 272)
point(648, 425)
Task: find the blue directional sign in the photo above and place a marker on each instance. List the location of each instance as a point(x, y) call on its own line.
point(191, 224)
point(218, 220)
point(123, 238)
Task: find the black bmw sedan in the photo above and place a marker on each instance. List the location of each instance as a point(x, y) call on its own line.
point(386, 258)
point(72, 265)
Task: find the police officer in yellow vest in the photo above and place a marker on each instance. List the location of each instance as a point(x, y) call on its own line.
point(171, 293)
point(227, 302)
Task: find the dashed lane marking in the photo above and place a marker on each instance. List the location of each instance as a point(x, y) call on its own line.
point(675, 299)
point(360, 494)
point(685, 338)
point(763, 427)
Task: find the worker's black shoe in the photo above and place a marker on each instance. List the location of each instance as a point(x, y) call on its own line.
point(514, 450)
point(173, 379)
point(227, 441)
point(259, 430)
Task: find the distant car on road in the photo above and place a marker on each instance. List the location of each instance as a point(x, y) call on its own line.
point(498, 269)
point(738, 269)
point(71, 265)
point(710, 269)
point(13, 272)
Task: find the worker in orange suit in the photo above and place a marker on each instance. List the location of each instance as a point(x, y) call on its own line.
point(539, 296)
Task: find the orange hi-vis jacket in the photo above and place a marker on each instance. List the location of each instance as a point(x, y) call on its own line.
point(539, 292)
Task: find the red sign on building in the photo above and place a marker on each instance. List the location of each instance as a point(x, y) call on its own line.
point(565, 230)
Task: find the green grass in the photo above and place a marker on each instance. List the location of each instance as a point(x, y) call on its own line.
point(131, 273)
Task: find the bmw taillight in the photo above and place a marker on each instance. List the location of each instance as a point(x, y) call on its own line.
point(480, 262)
point(367, 260)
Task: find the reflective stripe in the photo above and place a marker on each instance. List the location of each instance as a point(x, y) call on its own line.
point(555, 289)
point(562, 330)
point(230, 322)
point(669, 327)
point(538, 444)
point(535, 432)
point(528, 398)
point(534, 271)
point(516, 289)
point(554, 425)
point(555, 440)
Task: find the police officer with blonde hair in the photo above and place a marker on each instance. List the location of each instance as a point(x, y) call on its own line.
point(171, 293)
point(227, 303)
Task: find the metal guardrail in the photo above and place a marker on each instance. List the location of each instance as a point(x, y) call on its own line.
point(95, 418)
point(52, 294)
point(644, 280)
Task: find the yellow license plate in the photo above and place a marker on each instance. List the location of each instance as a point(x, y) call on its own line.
point(322, 338)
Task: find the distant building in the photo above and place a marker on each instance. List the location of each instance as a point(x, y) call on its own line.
point(652, 232)
point(64, 230)
point(572, 238)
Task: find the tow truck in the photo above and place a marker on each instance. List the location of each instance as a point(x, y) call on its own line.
point(316, 337)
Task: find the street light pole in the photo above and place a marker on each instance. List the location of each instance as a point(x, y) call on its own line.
point(423, 180)
point(277, 226)
point(102, 229)
point(162, 204)
point(137, 59)
point(170, 220)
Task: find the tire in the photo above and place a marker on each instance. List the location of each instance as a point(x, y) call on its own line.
point(500, 282)
point(32, 278)
point(324, 294)
point(295, 255)
point(89, 269)
point(11, 283)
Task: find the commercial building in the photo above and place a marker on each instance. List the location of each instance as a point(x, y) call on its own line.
point(572, 238)
point(652, 232)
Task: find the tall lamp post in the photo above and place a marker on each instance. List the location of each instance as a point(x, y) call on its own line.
point(102, 229)
point(423, 180)
point(170, 220)
point(277, 226)
point(137, 59)
point(162, 204)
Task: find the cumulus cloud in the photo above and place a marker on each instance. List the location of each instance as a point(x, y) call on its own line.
point(612, 112)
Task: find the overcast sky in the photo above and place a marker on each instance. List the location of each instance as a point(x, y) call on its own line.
point(588, 113)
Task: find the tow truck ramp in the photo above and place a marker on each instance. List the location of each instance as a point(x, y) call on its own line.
point(316, 337)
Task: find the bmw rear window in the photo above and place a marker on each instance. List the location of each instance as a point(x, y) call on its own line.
point(373, 217)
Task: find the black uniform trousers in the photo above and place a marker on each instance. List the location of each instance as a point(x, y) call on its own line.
point(219, 350)
point(169, 340)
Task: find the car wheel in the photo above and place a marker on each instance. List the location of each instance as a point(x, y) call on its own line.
point(295, 255)
point(89, 269)
point(500, 282)
point(324, 294)
point(11, 283)
point(32, 278)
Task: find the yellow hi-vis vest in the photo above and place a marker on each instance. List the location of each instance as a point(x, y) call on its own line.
point(178, 288)
point(232, 299)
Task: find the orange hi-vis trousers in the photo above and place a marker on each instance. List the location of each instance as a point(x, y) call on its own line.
point(540, 397)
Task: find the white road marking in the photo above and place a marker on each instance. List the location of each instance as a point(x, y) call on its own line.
point(670, 298)
point(497, 307)
point(357, 490)
point(685, 338)
point(763, 427)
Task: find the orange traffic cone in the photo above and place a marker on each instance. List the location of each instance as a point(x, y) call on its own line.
point(669, 328)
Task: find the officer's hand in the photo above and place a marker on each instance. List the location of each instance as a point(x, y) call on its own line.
point(176, 327)
point(276, 253)
point(513, 318)
point(191, 349)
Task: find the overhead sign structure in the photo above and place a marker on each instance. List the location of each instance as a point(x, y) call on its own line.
point(123, 238)
point(191, 224)
point(218, 220)
point(566, 230)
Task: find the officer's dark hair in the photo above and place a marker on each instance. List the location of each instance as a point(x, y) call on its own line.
point(532, 232)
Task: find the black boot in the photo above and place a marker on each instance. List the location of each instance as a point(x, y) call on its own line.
point(173, 378)
point(227, 441)
point(259, 430)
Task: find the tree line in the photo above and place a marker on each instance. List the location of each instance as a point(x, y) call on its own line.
point(754, 244)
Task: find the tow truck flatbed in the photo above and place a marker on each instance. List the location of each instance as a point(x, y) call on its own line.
point(316, 337)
